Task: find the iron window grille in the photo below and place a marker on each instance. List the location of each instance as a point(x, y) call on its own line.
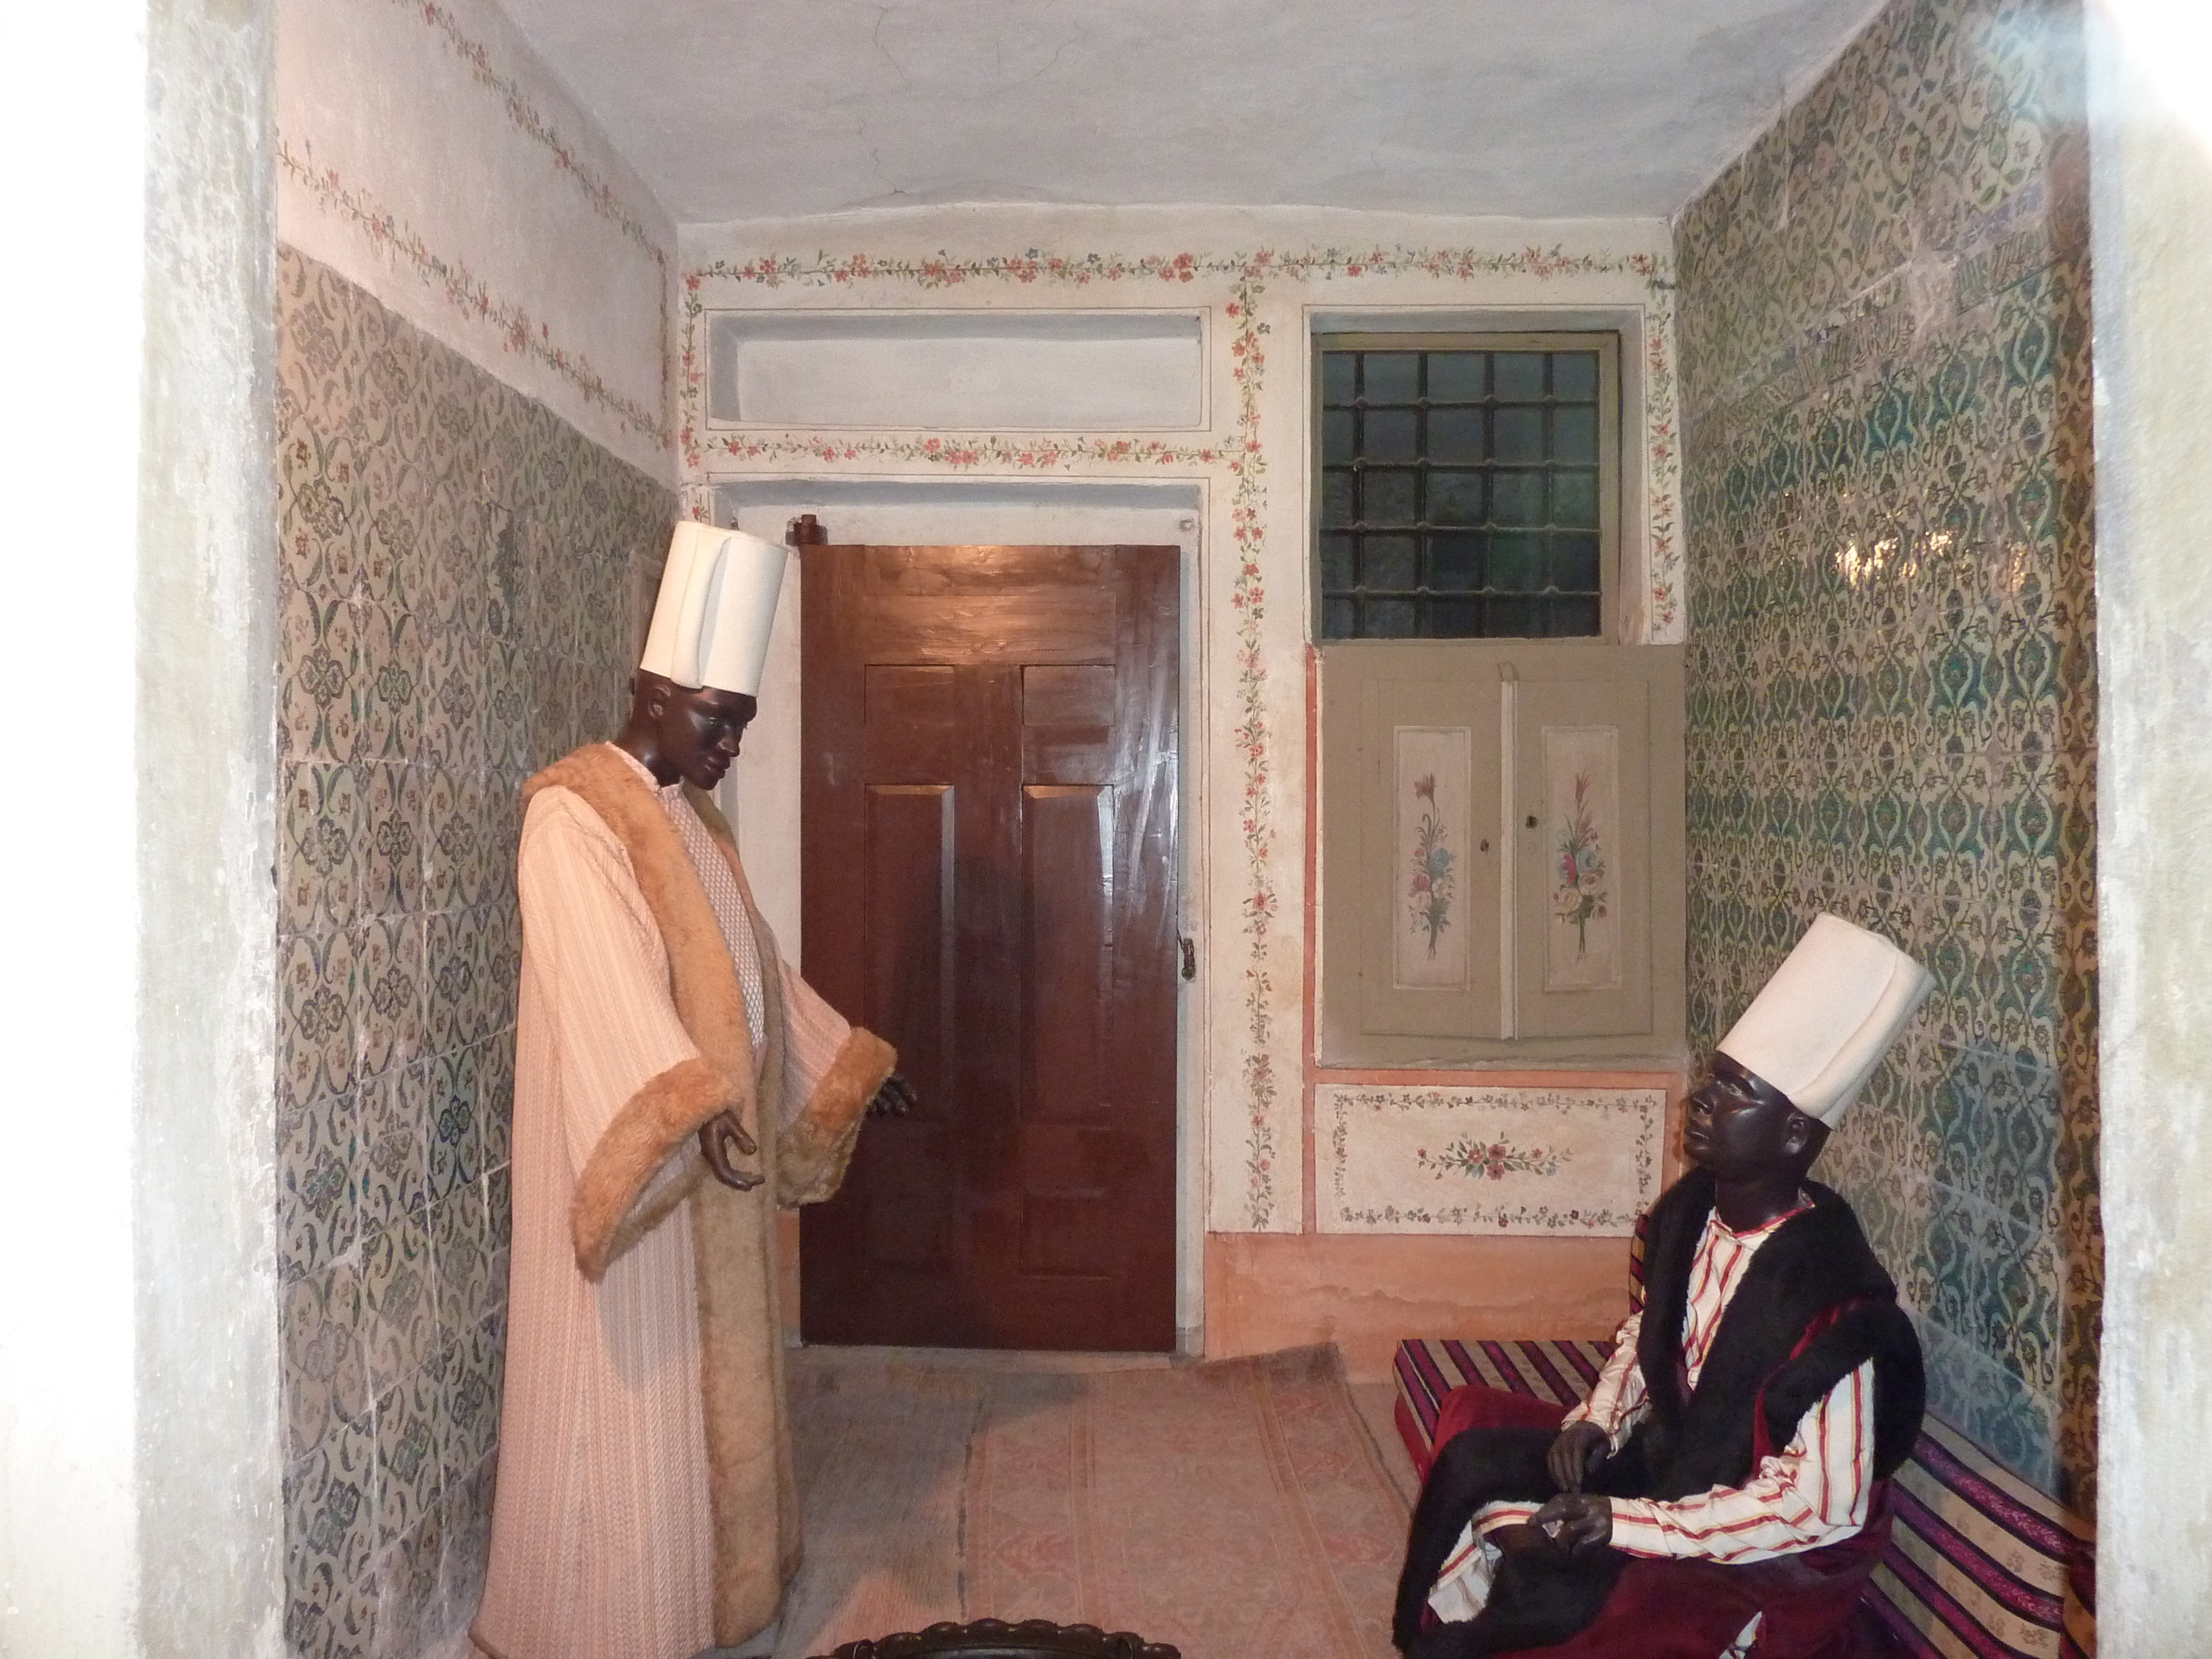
point(1468, 485)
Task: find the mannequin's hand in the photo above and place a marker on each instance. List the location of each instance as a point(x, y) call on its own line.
point(1574, 1455)
point(1577, 1521)
point(895, 1099)
point(723, 1140)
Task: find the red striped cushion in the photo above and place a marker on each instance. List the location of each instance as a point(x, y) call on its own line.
point(1979, 1561)
point(1562, 1372)
point(1428, 1369)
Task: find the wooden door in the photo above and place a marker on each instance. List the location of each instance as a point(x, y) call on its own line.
point(989, 822)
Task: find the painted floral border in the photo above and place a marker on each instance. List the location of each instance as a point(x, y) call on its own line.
point(524, 117)
point(526, 120)
point(1647, 1106)
point(463, 290)
point(1244, 456)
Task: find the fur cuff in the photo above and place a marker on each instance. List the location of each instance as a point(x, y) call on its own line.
point(814, 1149)
point(652, 1125)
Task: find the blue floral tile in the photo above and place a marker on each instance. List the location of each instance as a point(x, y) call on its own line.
point(315, 990)
point(388, 690)
point(406, 1574)
point(395, 1145)
point(318, 1184)
point(467, 1542)
point(329, 1532)
point(459, 851)
point(326, 1363)
point(473, 1395)
point(320, 647)
point(394, 572)
point(388, 993)
point(459, 993)
point(460, 1245)
point(400, 1287)
point(322, 842)
point(456, 695)
point(392, 872)
point(496, 1100)
point(410, 1459)
point(455, 1122)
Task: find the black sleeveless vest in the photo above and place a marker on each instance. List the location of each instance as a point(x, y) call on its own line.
point(1815, 1263)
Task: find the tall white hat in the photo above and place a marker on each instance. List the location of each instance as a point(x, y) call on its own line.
point(1828, 1016)
point(710, 626)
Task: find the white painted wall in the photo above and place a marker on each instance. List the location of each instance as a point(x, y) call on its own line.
point(2151, 150)
point(426, 155)
point(68, 1546)
point(139, 1491)
point(1261, 278)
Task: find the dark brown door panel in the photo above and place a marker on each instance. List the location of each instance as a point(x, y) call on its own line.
point(990, 856)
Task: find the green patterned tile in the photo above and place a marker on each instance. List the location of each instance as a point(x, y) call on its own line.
point(1883, 335)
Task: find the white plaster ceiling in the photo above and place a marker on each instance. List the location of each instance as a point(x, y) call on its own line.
point(747, 109)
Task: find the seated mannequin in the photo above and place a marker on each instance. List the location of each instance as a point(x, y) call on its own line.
point(1727, 1478)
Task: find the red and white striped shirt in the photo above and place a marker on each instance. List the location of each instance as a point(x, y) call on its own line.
point(1814, 1492)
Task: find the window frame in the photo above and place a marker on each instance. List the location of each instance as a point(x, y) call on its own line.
point(1607, 344)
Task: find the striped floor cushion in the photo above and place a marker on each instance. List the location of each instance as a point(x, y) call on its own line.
point(1562, 1372)
point(1429, 1368)
point(1980, 1564)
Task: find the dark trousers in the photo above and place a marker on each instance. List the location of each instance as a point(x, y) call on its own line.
point(1538, 1597)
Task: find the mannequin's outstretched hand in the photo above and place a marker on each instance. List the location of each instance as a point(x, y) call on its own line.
point(722, 1141)
point(895, 1099)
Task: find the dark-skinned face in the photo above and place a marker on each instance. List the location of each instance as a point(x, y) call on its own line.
point(699, 733)
point(1737, 1124)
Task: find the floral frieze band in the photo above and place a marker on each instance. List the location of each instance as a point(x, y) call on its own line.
point(1559, 1163)
point(463, 290)
point(525, 118)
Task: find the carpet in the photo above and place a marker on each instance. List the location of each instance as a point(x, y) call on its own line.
point(1238, 1510)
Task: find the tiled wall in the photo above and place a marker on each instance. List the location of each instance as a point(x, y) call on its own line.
point(462, 582)
point(1884, 325)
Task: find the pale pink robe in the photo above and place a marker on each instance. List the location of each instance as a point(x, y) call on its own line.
point(603, 1437)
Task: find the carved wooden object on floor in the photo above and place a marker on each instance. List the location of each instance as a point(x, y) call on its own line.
point(994, 1638)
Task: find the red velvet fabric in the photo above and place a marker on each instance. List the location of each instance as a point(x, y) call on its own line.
point(1473, 1407)
point(1692, 1609)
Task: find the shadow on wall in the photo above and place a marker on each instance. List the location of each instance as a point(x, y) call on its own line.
point(462, 578)
point(1885, 336)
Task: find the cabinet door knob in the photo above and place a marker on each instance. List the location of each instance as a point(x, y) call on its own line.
point(1485, 845)
point(1532, 820)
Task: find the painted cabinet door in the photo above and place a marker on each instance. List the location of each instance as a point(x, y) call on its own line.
point(1581, 765)
point(1501, 873)
point(1430, 813)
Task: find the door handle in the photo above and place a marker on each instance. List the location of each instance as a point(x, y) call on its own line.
point(1189, 955)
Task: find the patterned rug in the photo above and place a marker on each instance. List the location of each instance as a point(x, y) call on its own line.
point(1239, 1511)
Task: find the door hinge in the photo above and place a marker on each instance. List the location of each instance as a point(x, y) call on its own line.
point(1189, 955)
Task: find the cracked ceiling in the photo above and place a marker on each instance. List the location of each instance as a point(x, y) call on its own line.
point(749, 109)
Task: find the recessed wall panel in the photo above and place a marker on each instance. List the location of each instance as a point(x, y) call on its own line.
point(1122, 371)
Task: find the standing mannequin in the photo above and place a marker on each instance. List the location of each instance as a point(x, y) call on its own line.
point(675, 1082)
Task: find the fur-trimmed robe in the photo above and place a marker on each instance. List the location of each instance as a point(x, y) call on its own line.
point(645, 1507)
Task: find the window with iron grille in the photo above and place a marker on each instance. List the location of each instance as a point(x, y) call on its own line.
point(1468, 485)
